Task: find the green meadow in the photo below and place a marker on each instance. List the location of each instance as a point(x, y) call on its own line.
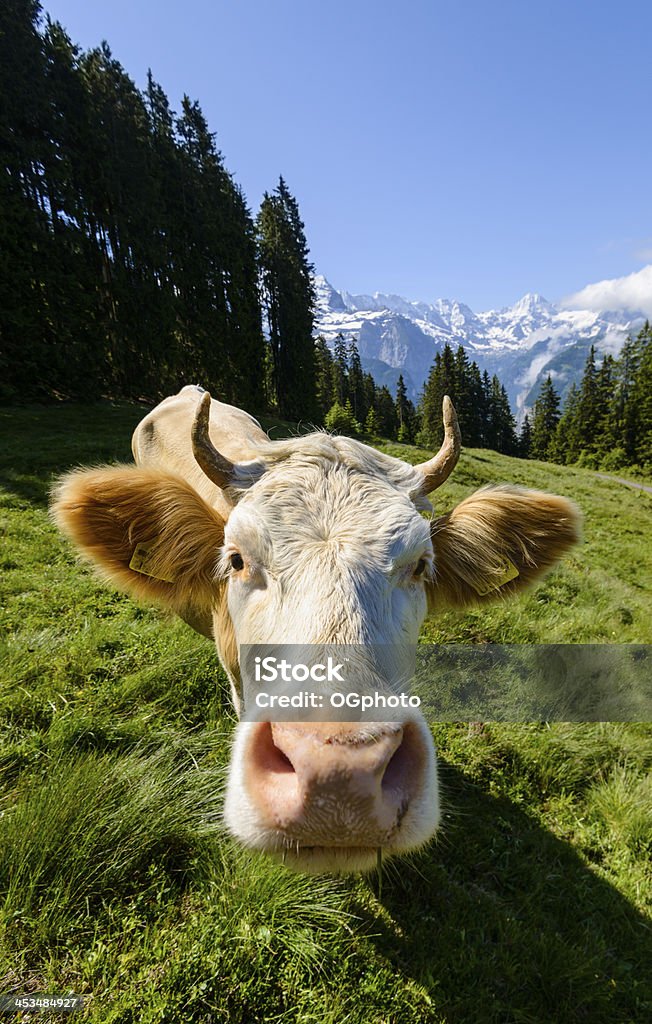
point(116, 878)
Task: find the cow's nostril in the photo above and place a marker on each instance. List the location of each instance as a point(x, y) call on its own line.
point(284, 763)
point(394, 774)
point(269, 757)
point(403, 765)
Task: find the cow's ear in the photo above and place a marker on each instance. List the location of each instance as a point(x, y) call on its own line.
point(498, 541)
point(147, 531)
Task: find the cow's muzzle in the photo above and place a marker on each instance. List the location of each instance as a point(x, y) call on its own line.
point(319, 789)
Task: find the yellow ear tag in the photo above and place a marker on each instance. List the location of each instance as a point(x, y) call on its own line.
point(142, 560)
point(510, 572)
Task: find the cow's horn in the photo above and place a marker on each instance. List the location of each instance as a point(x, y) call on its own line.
point(439, 468)
point(216, 467)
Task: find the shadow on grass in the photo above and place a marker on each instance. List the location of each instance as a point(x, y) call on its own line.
point(503, 923)
point(40, 442)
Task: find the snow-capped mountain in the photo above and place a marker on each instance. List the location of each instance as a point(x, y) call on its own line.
point(521, 343)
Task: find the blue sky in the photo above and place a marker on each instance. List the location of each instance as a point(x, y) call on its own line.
point(465, 149)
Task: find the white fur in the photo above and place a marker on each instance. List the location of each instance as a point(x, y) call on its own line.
point(330, 552)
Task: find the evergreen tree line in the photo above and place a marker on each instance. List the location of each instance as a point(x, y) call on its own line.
point(606, 421)
point(129, 261)
point(481, 402)
point(350, 402)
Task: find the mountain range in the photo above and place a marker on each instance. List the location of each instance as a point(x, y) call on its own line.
point(520, 343)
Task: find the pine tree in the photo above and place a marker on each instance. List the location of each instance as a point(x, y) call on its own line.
point(477, 413)
point(68, 281)
point(200, 277)
point(324, 389)
point(340, 370)
point(404, 412)
point(545, 419)
point(441, 381)
point(641, 399)
point(369, 388)
point(340, 419)
point(588, 409)
point(500, 432)
point(356, 383)
point(606, 436)
point(525, 438)
point(461, 375)
point(386, 413)
point(162, 261)
point(371, 426)
point(626, 371)
point(485, 402)
point(288, 295)
point(467, 397)
point(565, 445)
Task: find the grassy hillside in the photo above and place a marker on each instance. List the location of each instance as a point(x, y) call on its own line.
point(116, 880)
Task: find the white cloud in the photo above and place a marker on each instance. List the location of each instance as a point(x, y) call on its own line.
point(630, 293)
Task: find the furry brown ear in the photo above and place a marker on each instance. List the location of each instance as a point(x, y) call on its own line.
point(497, 542)
point(148, 532)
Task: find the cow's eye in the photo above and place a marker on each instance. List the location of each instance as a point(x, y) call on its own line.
point(420, 567)
point(237, 561)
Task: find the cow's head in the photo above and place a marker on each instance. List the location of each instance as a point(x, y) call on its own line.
point(322, 542)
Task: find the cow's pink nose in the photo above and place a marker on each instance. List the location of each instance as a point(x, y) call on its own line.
point(325, 784)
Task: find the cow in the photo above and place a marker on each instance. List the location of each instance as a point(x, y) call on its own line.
point(312, 539)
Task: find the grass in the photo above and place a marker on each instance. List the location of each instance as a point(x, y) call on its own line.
point(601, 593)
point(116, 880)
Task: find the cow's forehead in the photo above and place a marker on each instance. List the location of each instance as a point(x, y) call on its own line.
point(305, 502)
